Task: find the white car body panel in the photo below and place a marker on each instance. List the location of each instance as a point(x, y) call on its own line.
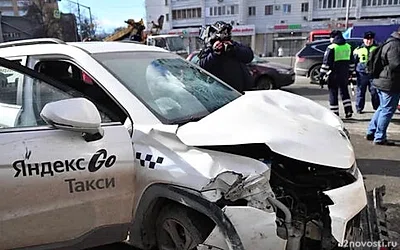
point(66, 213)
point(290, 125)
point(348, 201)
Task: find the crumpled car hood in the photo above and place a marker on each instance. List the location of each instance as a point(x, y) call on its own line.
point(289, 124)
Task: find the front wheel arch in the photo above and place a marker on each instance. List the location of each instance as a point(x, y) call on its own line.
point(155, 197)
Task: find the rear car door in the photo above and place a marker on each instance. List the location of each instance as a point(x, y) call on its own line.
point(58, 188)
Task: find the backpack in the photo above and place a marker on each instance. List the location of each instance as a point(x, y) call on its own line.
point(375, 64)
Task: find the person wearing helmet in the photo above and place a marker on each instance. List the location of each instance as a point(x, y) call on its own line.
point(337, 66)
point(225, 58)
point(364, 80)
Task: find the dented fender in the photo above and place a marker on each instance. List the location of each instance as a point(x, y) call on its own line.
point(186, 197)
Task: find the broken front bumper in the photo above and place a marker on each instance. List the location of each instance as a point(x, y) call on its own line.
point(348, 201)
point(257, 229)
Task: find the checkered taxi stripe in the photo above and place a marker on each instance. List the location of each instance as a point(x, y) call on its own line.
point(148, 158)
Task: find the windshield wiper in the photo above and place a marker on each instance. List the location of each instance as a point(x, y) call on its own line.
point(189, 119)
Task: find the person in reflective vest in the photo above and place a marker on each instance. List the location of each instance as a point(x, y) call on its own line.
point(337, 66)
point(364, 80)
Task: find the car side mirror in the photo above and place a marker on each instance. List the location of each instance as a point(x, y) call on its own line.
point(76, 114)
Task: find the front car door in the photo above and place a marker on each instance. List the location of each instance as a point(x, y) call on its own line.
point(57, 187)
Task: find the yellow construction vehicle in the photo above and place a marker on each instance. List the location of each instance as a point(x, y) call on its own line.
point(134, 32)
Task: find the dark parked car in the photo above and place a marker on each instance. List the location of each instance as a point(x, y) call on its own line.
point(309, 58)
point(266, 74)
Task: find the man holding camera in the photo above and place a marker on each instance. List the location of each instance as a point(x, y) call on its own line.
point(227, 59)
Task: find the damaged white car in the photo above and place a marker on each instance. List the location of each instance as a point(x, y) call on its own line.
point(124, 142)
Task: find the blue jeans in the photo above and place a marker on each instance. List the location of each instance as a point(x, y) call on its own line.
point(383, 115)
point(364, 82)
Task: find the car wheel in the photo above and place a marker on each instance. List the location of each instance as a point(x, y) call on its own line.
point(265, 83)
point(314, 74)
point(179, 228)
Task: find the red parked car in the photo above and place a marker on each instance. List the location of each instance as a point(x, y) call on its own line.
point(266, 74)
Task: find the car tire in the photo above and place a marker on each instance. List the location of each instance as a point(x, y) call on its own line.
point(180, 228)
point(265, 83)
point(314, 74)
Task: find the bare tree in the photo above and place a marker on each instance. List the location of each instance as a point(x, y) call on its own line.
point(44, 15)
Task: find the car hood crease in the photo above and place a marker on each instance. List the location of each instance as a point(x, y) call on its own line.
point(289, 124)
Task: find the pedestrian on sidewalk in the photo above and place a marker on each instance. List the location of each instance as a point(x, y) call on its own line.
point(280, 52)
point(364, 79)
point(388, 88)
point(337, 66)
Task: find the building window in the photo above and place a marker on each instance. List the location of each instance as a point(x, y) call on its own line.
point(186, 14)
point(234, 9)
point(333, 4)
point(287, 8)
point(167, 17)
point(252, 11)
point(210, 11)
point(269, 10)
point(304, 7)
point(166, 2)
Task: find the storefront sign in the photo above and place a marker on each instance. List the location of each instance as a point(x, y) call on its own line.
point(243, 30)
point(287, 26)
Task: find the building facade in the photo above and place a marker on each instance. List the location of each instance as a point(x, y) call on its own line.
point(270, 24)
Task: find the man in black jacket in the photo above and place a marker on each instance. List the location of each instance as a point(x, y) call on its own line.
point(227, 59)
point(388, 87)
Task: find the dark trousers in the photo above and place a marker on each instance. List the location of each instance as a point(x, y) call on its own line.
point(364, 82)
point(338, 83)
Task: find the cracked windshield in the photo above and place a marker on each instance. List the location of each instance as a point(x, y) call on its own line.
point(173, 89)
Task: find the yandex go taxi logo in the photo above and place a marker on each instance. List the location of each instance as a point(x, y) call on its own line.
point(96, 162)
point(99, 159)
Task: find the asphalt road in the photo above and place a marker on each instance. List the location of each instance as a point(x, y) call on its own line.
point(380, 165)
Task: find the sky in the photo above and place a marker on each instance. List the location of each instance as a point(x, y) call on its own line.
point(109, 14)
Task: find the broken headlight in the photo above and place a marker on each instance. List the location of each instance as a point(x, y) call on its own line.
point(233, 187)
point(249, 187)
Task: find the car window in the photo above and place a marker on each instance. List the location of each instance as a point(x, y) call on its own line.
point(22, 98)
point(171, 87)
point(322, 47)
point(82, 83)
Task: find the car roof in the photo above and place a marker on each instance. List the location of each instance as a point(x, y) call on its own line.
point(323, 41)
point(49, 46)
point(97, 47)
